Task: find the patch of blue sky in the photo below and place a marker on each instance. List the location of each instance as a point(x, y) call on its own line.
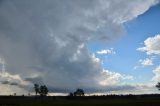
point(127, 57)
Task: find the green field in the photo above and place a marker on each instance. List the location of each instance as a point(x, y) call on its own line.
point(80, 102)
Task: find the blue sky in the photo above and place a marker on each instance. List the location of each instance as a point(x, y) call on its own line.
point(127, 56)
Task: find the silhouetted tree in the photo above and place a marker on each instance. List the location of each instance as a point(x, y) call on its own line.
point(158, 85)
point(70, 94)
point(36, 88)
point(79, 92)
point(43, 90)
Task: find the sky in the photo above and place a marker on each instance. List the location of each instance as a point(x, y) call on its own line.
point(125, 57)
point(101, 46)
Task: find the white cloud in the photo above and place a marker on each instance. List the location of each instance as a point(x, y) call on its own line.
point(156, 77)
point(46, 39)
point(151, 45)
point(14, 84)
point(10, 79)
point(11, 90)
point(146, 62)
point(106, 51)
point(109, 78)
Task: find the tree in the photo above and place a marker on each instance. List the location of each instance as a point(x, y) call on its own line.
point(36, 88)
point(43, 90)
point(158, 86)
point(79, 92)
point(70, 94)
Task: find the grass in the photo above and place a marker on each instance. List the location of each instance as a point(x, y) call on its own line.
point(80, 102)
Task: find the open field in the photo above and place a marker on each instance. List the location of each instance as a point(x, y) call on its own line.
point(81, 101)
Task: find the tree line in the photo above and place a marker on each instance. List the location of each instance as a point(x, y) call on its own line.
point(42, 90)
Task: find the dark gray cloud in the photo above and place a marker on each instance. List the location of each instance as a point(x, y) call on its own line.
point(11, 83)
point(5, 82)
point(35, 80)
point(45, 40)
